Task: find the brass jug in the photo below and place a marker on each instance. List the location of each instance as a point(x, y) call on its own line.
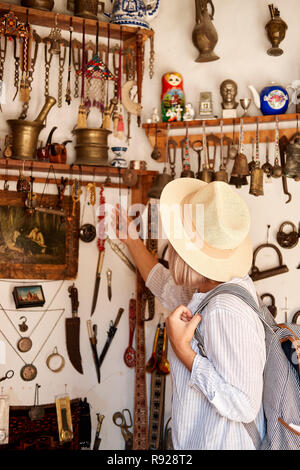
point(205, 36)
point(25, 133)
point(46, 5)
point(276, 29)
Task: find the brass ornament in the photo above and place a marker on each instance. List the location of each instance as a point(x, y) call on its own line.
point(54, 356)
point(276, 29)
point(28, 372)
point(24, 344)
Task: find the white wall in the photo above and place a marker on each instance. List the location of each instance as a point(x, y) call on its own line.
point(242, 49)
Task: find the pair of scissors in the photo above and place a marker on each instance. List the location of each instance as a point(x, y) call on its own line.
point(9, 374)
point(119, 419)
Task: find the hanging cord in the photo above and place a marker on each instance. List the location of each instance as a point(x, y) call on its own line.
point(68, 98)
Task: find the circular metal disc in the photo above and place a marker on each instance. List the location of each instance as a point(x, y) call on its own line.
point(28, 372)
point(87, 233)
point(24, 344)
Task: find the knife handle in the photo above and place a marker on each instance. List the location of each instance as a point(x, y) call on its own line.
point(89, 327)
point(100, 262)
point(121, 310)
point(74, 298)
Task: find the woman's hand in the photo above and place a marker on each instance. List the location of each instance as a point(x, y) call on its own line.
point(124, 226)
point(181, 325)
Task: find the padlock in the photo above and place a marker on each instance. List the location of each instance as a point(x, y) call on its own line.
point(290, 239)
point(272, 307)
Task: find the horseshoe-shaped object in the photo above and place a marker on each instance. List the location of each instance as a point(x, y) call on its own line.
point(129, 105)
point(295, 317)
point(257, 275)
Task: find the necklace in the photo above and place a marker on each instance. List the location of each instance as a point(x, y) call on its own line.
point(29, 371)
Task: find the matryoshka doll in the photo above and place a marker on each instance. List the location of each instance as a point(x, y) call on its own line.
point(172, 97)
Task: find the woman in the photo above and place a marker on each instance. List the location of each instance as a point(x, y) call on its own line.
point(216, 395)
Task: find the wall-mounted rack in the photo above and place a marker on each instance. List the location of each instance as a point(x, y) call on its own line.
point(47, 19)
point(157, 133)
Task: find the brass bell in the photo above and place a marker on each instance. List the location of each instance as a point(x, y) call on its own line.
point(221, 175)
point(159, 183)
point(187, 173)
point(292, 166)
point(54, 47)
point(206, 175)
point(257, 181)
point(239, 171)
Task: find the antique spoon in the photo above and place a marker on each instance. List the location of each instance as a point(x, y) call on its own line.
point(151, 364)
point(130, 353)
point(156, 154)
point(163, 364)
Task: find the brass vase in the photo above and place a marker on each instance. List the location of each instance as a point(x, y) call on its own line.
point(46, 5)
point(87, 8)
point(205, 36)
point(25, 133)
point(276, 29)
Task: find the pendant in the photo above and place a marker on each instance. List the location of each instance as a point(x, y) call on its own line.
point(28, 372)
point(87, 233)
point(24, 344)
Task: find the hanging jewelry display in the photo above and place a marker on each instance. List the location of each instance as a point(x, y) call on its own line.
point(257, 174)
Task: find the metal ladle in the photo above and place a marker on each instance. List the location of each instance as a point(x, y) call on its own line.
point(151, 364)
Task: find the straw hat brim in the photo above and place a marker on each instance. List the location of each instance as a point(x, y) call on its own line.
point(236, 264)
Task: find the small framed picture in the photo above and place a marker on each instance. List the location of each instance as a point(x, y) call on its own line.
point(28, 296)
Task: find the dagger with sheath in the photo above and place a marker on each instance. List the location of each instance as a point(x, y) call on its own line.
point(73, 331)
point(97, 441)
point(92, 332)
point(97, 280)
point(110, 334)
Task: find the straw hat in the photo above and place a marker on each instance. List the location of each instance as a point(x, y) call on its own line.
point(208, 225)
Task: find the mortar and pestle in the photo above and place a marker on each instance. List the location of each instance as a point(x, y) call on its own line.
point(25, 133)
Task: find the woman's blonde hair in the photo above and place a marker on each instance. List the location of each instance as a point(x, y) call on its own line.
point(182, 273)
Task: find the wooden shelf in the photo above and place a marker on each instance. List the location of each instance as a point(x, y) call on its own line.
point(43, 167)
point(47, 19)
point(157, 133)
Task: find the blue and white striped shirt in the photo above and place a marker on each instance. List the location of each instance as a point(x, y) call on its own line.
point(224, 389)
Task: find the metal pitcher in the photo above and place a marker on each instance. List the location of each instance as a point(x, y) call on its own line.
point(25, 133)
point(205, 36)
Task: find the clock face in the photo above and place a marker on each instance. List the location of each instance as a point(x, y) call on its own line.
point(28, 372)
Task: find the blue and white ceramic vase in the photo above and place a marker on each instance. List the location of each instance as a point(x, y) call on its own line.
point(134, 12)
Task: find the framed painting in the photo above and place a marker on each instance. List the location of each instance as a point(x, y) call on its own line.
point(38, 244)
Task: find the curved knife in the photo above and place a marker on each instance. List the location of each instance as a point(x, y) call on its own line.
point(110, 334)
point(73, 331)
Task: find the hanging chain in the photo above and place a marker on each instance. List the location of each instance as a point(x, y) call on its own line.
point(76, 48)
point(17, 67)
point(47, 70)
point(2, 59)
point(151, 58)
point(61, 62)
